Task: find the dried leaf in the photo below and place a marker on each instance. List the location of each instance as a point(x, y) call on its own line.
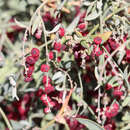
point(105, 36)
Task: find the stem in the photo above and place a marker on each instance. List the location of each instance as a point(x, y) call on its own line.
point(81, 85)
point(99, 95)
point(6, 119)
point(101, 20)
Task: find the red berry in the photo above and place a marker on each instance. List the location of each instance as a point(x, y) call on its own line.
point(45, 68)
point(52, 104)
point(61, 32)
point(48, 88)
point(128, 55)
point(39, 92)
point(117, 91)
point(113, 44)
point(35, 52)
point(51, 55)
point(82, 26)
point(112, 111)
point(43, 97)
point(108, 86)
point(57, 46)
point(36, 58)
point(115, 106)
point(47, 110)
point(30, 60)
point(58, 59)
point(21, 110)
point(97, 51)
point(45, 79)
point(97, 40)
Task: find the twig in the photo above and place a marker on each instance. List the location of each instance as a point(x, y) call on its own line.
point(6, 119)
point(103, 67)
point(81, 85)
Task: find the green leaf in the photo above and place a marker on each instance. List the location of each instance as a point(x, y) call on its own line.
point(19, 125)
point(59, 77)
point(126, 117)
point(21, 24)
point(35, 2)
point(73, 25)
point(36, 23)
point(113, 81)
point(55, 29)
point(126, 101)
point(7, 70)
point(17, 5)
point(91, 125)
point(85, 44)
point(96, 73)
point(93, 15)
point(87, 3)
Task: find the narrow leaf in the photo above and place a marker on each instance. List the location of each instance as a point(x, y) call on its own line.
point(36, 24)
point(57, 75)
point(93, 15)
point(91, 125)
point(20, 24)
point(55, 29)
point(73, 25)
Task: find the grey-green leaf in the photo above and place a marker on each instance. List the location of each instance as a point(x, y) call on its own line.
point(21, 24)
point(57, 75)
point(55, 29)
point(73, 25)
point(93, 15)
point(126, 101)
point(36, 24)
point(91, 125)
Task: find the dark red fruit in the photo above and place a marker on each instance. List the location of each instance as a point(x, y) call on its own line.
point(61, 32)
point(30, 60)
point(45, 68)
point(97, 40)
point(35, 52)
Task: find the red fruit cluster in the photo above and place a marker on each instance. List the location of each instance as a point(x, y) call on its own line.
point(30, 62)
point(48, 88)
point(112, 110)
point(22, 107)
point(47, 102)
point(97, 51)
point(59, 47)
